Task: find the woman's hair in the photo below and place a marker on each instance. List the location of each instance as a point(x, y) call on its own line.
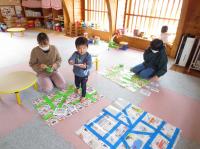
point(81, 41)
point(164, 29)
point(156, 44)
point(42, 38)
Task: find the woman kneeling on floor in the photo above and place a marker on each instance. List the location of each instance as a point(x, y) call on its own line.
point(45, 61)
point(155, 62)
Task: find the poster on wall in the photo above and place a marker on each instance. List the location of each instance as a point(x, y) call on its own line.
point(7, 11)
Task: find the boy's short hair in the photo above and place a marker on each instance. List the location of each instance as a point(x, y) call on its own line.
point(42, 38)
point(156, 44)
point(81, 41)
point(164, 29)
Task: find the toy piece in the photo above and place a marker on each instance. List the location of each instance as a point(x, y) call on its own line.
point(49, 69)
point(3, 27)
point(96, 40)
point(145, 92)
point(123, 45)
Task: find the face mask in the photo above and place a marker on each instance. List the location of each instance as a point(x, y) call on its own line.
point(44, 48)
point(154, 51)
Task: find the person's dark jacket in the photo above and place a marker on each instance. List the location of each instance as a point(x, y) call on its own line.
point(157, 61)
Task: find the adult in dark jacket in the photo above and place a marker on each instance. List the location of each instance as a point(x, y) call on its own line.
point(155, 62)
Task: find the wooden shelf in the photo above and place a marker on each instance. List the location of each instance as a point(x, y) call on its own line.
point(46, 18)
point(41, 17)
point(56, 19)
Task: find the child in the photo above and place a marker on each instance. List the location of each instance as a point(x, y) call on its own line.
point(164, 36)
point(82, 63)
point(155, 62)
point(112, 43)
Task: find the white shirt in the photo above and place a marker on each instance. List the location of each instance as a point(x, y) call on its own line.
point(164, 37)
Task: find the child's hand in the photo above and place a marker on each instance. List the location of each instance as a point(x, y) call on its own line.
point(71, 62)
point(43, 66)
point(81, 65)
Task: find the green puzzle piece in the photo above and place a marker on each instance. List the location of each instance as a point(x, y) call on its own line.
point(49, 69)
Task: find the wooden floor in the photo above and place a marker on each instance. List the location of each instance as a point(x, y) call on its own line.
point(185, 70)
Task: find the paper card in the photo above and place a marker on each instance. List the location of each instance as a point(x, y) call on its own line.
point(145, 92)
point(143, 128)
point(113, 110)
point(115, 136)
point(136, 141)
point(60, 111)
point(159, 142)
point(152, 120)
point(168, 130)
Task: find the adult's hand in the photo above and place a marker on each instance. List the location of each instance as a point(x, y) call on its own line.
point(54, 66)
point(43, 66)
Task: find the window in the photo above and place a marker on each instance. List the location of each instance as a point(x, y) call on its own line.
point(96, 12)
point(77, 10)
point(150, 15)
point(120, 14)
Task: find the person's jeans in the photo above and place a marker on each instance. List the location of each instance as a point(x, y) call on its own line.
point(46, 82)
point(142, 71)
point(81, 81)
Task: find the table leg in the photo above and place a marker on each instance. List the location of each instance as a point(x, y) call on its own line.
point(35, 86)
point(11, 34)
point(22, 34)
point(18, 98)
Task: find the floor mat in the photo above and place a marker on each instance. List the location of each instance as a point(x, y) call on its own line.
point(68, 127)
point(62, 104)
point(122, 76)
point(122, 125)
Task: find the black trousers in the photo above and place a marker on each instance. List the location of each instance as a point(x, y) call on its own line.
point(81, 81)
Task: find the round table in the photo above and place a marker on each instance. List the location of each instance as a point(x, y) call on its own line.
point(15, 82)
point(16, 30)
